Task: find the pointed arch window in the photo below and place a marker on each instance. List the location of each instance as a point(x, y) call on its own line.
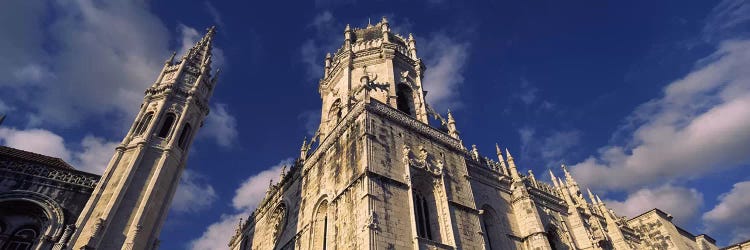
point(145, 121)
point(167, 125)
point(185, 136)
point(335, 113)
point(492, 229)
point(405, 99)
point(422, 215)
point(320, 227)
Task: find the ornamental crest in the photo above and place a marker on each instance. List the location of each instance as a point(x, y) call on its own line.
point(423, 160)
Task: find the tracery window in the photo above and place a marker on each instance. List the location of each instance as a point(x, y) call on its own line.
point(144, 123)
point(167, 125)
point(422, 215)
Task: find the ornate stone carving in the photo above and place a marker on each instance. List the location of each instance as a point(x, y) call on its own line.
point(62, 175)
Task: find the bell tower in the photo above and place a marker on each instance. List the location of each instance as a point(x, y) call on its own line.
point(131, 201)
point(372, 63)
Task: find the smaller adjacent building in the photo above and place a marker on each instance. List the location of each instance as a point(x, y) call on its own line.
point(656, 231)
point(40, 199)
point(745, 245)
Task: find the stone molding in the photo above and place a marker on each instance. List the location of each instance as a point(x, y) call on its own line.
point(67, 176)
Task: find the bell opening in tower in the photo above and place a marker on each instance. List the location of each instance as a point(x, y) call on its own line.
point(404, 99)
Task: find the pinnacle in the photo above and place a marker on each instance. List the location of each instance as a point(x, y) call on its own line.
point(507, 154)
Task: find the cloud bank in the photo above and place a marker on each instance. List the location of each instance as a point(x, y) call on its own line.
point(698, 126)
point(246, 199)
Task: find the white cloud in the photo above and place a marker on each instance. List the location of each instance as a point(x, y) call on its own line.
point(682, 203)
point(105, 55)
point(245, 200)
point(93, 156)
point(35, 140)
point(698, 126)
point(5, 108)
point(254, 188)
point(730, 216)
point(445, 59)
point(728, 20)
point(96, 154)
point(193, 193)
point(220, 126)
point(32, 73)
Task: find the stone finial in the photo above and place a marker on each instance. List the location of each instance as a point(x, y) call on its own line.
point(474, 152)
point(283, 173)
point(591, 196)
point(412, 44)
point(170, 60)
point(452, 131)
point(303, 150)
point(532, 177)
point(512, 165)
point(568, 176)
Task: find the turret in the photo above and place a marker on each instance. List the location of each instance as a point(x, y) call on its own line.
point(348, 37)
point(385, 28)
point(412, 46)
point(327, 69)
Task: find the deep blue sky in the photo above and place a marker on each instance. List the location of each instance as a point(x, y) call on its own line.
point(554, 81)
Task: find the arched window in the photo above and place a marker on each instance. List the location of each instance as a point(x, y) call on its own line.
point(22, 239)
point(166, 126)
point(492, 231)
point(185, 136)
point(334, 113)
point(404, 99)
point(320, 227)
point(422, 215)
point(144, 123)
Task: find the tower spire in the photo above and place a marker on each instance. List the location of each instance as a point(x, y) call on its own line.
point(200, 53)
point(130, 203)
point(568, 176)
point(512, 165)
point(500, 159)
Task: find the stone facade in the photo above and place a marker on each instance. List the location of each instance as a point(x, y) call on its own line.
point(657, 231)
point(378, 176)
point(40, 199)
